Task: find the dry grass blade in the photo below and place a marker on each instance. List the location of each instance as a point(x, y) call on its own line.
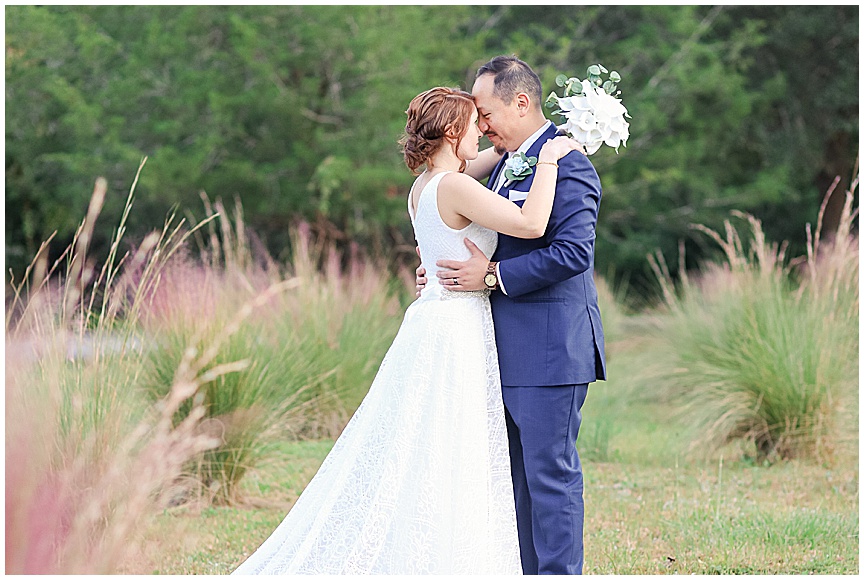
point(77, 274)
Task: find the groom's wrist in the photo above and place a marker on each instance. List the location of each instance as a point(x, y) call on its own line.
point(490, 278)
point(500, 285)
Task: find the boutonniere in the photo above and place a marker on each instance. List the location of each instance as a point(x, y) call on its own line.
point(518, 167)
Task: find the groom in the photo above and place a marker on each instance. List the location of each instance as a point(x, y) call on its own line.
point(547, 322)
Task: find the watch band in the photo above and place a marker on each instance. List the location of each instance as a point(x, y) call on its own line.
point(490, 269)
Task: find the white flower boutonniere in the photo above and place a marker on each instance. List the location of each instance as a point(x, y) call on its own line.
point(594, 116)
point(518, 167)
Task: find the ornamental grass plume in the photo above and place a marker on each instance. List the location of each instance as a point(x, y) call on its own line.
point(77, 505)
point(135, 386)
point(86, 460)
point(763, 353)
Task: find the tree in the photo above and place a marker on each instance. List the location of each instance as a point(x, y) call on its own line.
point(296, 110)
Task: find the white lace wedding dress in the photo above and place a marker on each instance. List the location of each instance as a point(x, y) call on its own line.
point(419, 481)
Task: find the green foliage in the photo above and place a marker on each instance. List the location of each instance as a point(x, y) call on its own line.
point(297, 110)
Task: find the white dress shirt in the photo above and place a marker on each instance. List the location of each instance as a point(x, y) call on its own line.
point(499, 182)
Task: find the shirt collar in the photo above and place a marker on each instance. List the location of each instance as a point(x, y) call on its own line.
point(526, 145)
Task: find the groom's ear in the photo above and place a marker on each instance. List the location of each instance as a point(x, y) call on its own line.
point(523, 103)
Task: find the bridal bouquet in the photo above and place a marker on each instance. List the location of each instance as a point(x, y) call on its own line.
point(594, 116)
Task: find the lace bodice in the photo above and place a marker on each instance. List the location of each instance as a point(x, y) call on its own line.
point(438, 241)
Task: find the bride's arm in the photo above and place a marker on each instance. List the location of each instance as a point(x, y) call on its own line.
point(483, 206)
point(482, 167)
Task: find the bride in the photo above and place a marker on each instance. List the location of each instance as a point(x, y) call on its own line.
point(419, 481)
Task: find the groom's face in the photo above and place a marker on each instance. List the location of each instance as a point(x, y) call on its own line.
point(498, 120)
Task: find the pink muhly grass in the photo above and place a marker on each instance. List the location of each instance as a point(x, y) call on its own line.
point(77, 509)
point(762, 353)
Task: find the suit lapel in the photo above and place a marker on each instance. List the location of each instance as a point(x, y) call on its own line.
point(533, 151)
point(499, 167)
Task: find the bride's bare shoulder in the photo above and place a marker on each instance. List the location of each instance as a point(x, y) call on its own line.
point(458, 181)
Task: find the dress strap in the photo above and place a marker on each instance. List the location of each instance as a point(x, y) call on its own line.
point(429, 184)
point(434, 182)
point(411, 202)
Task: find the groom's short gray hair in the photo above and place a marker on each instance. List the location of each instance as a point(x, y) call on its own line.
point(512, 76)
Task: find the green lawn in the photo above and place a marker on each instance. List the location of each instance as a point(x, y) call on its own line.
point(651, 508)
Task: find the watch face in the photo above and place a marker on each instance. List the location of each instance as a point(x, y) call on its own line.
point(490, 280)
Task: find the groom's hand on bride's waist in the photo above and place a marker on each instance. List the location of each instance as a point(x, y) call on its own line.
point(464, 276)
point(421, 274)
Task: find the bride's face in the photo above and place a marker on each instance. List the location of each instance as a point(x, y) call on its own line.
point(469, 147)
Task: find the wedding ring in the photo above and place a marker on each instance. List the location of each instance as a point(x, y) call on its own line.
point(455, 281)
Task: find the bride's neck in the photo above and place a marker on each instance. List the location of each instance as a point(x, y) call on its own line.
point(444, 160)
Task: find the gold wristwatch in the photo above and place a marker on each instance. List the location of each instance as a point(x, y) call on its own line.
point(491, 279)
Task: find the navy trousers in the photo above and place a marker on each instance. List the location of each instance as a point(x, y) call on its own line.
point(542, 427)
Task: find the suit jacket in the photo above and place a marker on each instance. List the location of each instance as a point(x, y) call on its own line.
point(547, 326)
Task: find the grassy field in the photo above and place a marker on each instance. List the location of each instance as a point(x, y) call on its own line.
point(164, 419)
point(651, 508)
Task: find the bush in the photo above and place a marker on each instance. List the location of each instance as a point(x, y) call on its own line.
point(311, 338)
point(762, 353)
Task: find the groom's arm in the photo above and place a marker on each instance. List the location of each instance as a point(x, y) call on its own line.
point(482, 167)
point(571, 233)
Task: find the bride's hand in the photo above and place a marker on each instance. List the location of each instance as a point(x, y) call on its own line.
point(555, 149)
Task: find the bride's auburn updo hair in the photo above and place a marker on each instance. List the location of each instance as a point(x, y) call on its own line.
point(433, 115)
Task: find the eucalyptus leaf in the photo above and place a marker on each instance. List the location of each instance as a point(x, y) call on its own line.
point(602, 69)
point(532, 161)
point(560, 80)
point(614, 76)
point(593, 70)
point(608, 86)
point(509, 174)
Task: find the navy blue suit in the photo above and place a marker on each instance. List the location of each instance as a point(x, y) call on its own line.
point(550, 346)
